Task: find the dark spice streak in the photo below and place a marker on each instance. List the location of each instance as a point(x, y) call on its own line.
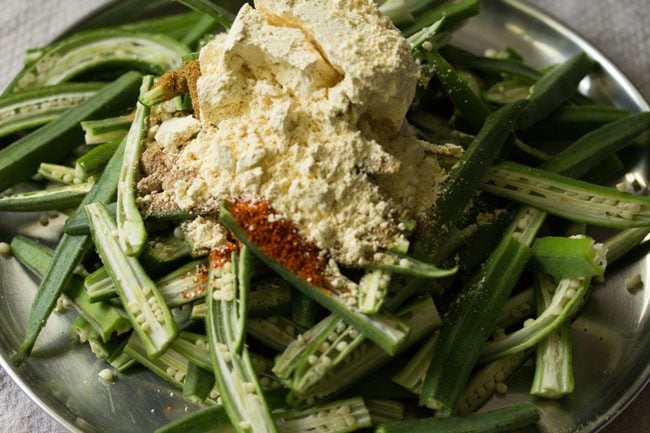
point(280, 240)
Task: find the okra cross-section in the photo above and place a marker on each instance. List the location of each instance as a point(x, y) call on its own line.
point(145, 306)
point(241, 394)
point(571, 199)
point(65, 60)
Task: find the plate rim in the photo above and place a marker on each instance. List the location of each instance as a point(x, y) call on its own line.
point(600, 421)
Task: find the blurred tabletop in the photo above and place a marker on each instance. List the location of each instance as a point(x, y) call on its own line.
point(619, 28)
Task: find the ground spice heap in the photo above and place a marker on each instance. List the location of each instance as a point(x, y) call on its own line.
point(303, 105)
point(280, 239)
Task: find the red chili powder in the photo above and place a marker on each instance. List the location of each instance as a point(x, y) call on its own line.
point(280, 240)
point(222, 255)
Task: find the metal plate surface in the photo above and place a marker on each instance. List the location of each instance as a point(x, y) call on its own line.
point(611, 337)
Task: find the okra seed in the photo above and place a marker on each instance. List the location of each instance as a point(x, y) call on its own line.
point(313, 359)
point(179, 234)
point(341, 346)
point(427, 45)
point(575, 283)
point(343, 410)
point(179, 376)
point(528, 323)
point(499, 376)
point(44, 219)
point(106, 375)
point(171, 371)
point(501, 388)
point(324, 347)
point(5, 248)
point(627, 215)
point(146, 327)
point(244, 425)
point(250, 387)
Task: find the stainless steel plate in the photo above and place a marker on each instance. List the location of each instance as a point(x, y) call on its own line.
point(612, 336)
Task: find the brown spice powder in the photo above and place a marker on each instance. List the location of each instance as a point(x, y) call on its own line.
point(280, 240)
point(176, 83)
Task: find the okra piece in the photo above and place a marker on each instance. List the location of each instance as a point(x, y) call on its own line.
point(170, 365)
point(52, 142)
point(338, 343)
point(455, 14)
point(469, 322)
point(554, 88)
point(507, 67)
point(585, 154)
point(383, 411)
point(180, 287)
point(82, 332)
point(61, 198)
point(505, 419)
point(568, 198)
point(195, 36)
point(144, 304)
point(507, 91)
point(104, 319)
point(571, 122)
point(517, 309)
point(275, 332)
point(105, 130)
point(486, 381)
point(207, 420)
point(412, 267)
point(153, 53)
point(412, 376)
point(385, 330)
point(460, 185)
point(99, 286)
point(336, 417)
point(95, 159)
point(367, 357)
point(373, 288)
point(554, 354)
point(163, 254)
point(621, 243)
point(175, 26)
point(70, 252)
point(241, 394)
point(219, 14)
point(130, 226)
point(458, 90)
point(567, 298)
point(577, 256)
point(199, 383)
point(32, 108)
point(304, 310)
point(195, 348)
point(61, 174)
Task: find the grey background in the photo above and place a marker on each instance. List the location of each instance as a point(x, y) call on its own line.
point(619, 28)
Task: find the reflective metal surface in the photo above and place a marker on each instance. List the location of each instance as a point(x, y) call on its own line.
point(611, 337)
